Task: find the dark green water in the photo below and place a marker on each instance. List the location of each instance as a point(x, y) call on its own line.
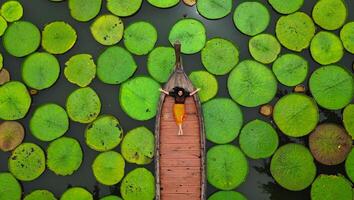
point(259, 184)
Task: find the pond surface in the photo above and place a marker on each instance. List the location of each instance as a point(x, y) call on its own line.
point(259, 184)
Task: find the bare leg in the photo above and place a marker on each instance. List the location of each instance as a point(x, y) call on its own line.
point(180, 131)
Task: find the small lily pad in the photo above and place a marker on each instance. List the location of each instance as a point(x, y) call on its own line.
point(227, 167)
point(326, 48)
point(83, 10)
point(190, 33)
point(76, 193)
point(330, 14)
point(21, 38)
point(330, 144)
point(139, 96)
point(161, 63)
point(10, 187)
point(258, 139)
point(206, 82)
point(108, 168)
point(80, 69)
point(347, 37)
point(103, 134)
point(286, 6)
point(293, 167)
point(27, 162)
point(16, 101)
point(49, 122)
point(163, 3)
point(58, 37)
point(348, 119)
point(264, 48)
point(223, 120)
point(3, 26)
point(64, 156)
point(11, 11)
point(83, 105)
point(138, 146)
point(219, 56)
point(295, 31)
point(40, 195)
point(227, 195)
point(214, 9)
point(251, 18)
point(290, 69)
point(138, 184)
point(11, 135)
point(115, 65)
point(296, 114)
point(252, 84)
point(40, 70)
point(349, 165)
point(329, 187)
point(111, 197)
point(124, 8)
point(140, 37)
point(107, 29)
point(332, 87)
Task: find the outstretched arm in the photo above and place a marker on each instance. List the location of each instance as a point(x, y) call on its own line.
point(164, 91)
point(194, 92)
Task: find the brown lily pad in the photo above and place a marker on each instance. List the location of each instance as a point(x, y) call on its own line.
point(11, 135)
point(266, 110)
point(330, 144)
point(190, 2)
point(300, 89)
point(4, 76)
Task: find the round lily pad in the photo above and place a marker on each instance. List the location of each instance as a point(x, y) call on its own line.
point(214, 9)
point(108, 168)
point(139, 97)
point(58, 37)
point(286, 6)
point(293, 167)
point(10, 187)
point(190, 33)
point(64, 156)
point(227, 167)
point(330, 14)
point(83, 105)
point(138, 146)
point(107, 29)
point(349, 165)
point(83, 10)
point(11, 135)
point(346, 35)
point(295, 31)
point(290, 69)
point(115, 65)
point(1, 61)
point(251, 18)
point(219, 56)
point(163, 3)
point(124, 8)
point(11, 11)
point(138, 184)
point(328, 187)
point(27, 162)
point(103, 134)
point(3, 26)
point(80, 69)
point(296, 114)
point(111, 197)
point(332, 87)
point(40, 195)
point(348, 119)
point(16, 101)
point(21, 38)
point(140, 37)
point(227, 195)
point(330, 144)
point(223, 120)
point(206, 82)
point(264, 48)
point(258, 139)
point(326, 48)
point(49, 122)
point(76, 193)
point(252, 84)
point(161, 63)
point(40, 70)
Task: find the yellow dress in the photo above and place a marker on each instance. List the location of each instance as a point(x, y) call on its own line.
point(179, 113)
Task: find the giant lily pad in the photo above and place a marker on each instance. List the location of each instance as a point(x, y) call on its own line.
point(138, 184)
point(163, 3)
point(348, 119)
point(40, 195)
point(3, 26)
point(290, 69)
point(214, 9)
point(349, 165)
point(330, 14)
point(227, 195)
point(161, 63)
point(124, 8)
point(11, 135)
point(83, 10)
point(328, 187)
point(347, 37)
point(264, 48)
point(108, 168)
point(286, 6)
point(140, 37)
point(10, 187)
point(206, 82)
point(76, 193)
point(11, 11)
point(107, 29)
point(80, 69)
